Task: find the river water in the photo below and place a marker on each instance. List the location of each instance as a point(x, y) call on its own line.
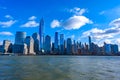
point(59, 68)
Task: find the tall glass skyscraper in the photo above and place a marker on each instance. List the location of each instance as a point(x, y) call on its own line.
point(69, 46)
point(61, 44)
point(90, 44)
point(41, 33)
point(56, 43)
point(47, 44)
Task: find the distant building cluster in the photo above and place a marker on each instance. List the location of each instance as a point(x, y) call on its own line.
point(40, 44)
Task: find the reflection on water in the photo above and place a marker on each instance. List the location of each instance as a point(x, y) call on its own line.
point(59, 68)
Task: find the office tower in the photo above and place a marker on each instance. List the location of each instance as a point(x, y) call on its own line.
point(30, 45)
point(56, 43)
point(114, 49)
point(36, 39)
point(20, 37)
point(1, 48)
point(41, 34)
point(74, 47)
point(65, 47)
point(107, 49)
point(47, 44)
point(52, 48)
point(7, 46)
point(19, 48)
point(69, 46)
point(61, 44)
point(90, 45)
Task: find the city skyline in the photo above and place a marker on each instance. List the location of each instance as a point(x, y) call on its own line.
point(76, 19)
point(30, 45)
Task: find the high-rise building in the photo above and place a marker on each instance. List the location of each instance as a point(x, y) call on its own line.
point(107, 49)
point(19, 46)
point(47, 44)
point(61, 44)
point(114, 49)
point(56, 43)
point(20, 49)
point(90, 45)
point(20, 37)
point(69, 46)
point(36, 39)
point(1, 48)
point(52, 48)
point(41, 34)
point(74, 48)
point(30, 45)
point(7, 46)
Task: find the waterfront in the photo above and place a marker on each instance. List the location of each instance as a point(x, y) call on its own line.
point(59, 67)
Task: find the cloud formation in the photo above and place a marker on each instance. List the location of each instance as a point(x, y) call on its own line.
point(8, 17)
point(74, 22)
point(8, 23)
point(77, 11)
point(32, 18)
point(31, 22)
point(55, 23)
point(5, 33)
point(107, 35)
point(5, 24)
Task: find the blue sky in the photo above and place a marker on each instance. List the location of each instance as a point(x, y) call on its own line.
point(74, 18)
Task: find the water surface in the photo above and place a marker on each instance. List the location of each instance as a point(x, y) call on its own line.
point(59, 68)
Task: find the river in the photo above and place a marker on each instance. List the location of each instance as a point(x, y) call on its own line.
point(59, 67)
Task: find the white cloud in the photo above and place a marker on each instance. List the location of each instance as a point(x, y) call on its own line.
point(108, 35)
point(76, 22)
point(55, 23)
point(6, 33)
point(7, 23)
point(30, 24)
point(32, 18)
point(8, 16)
point(115, 23)
point(118, 40)
point(78, 11)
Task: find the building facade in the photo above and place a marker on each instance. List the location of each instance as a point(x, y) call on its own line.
point(56, 49)
point(36, 39)
point(61, 44)
point(47, 44)
point(69, 46)
point(41, 34)
point(30, 45)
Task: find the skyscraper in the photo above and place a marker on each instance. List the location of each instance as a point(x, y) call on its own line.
point(20, 47)
point(7, 46)
point(20, 37)
point(61, 43)
point(30, 44)
point(36, 39)
point(47, 44)
point(90, 44)
point(69, 46)
point(56, 43)
point(41, 33)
